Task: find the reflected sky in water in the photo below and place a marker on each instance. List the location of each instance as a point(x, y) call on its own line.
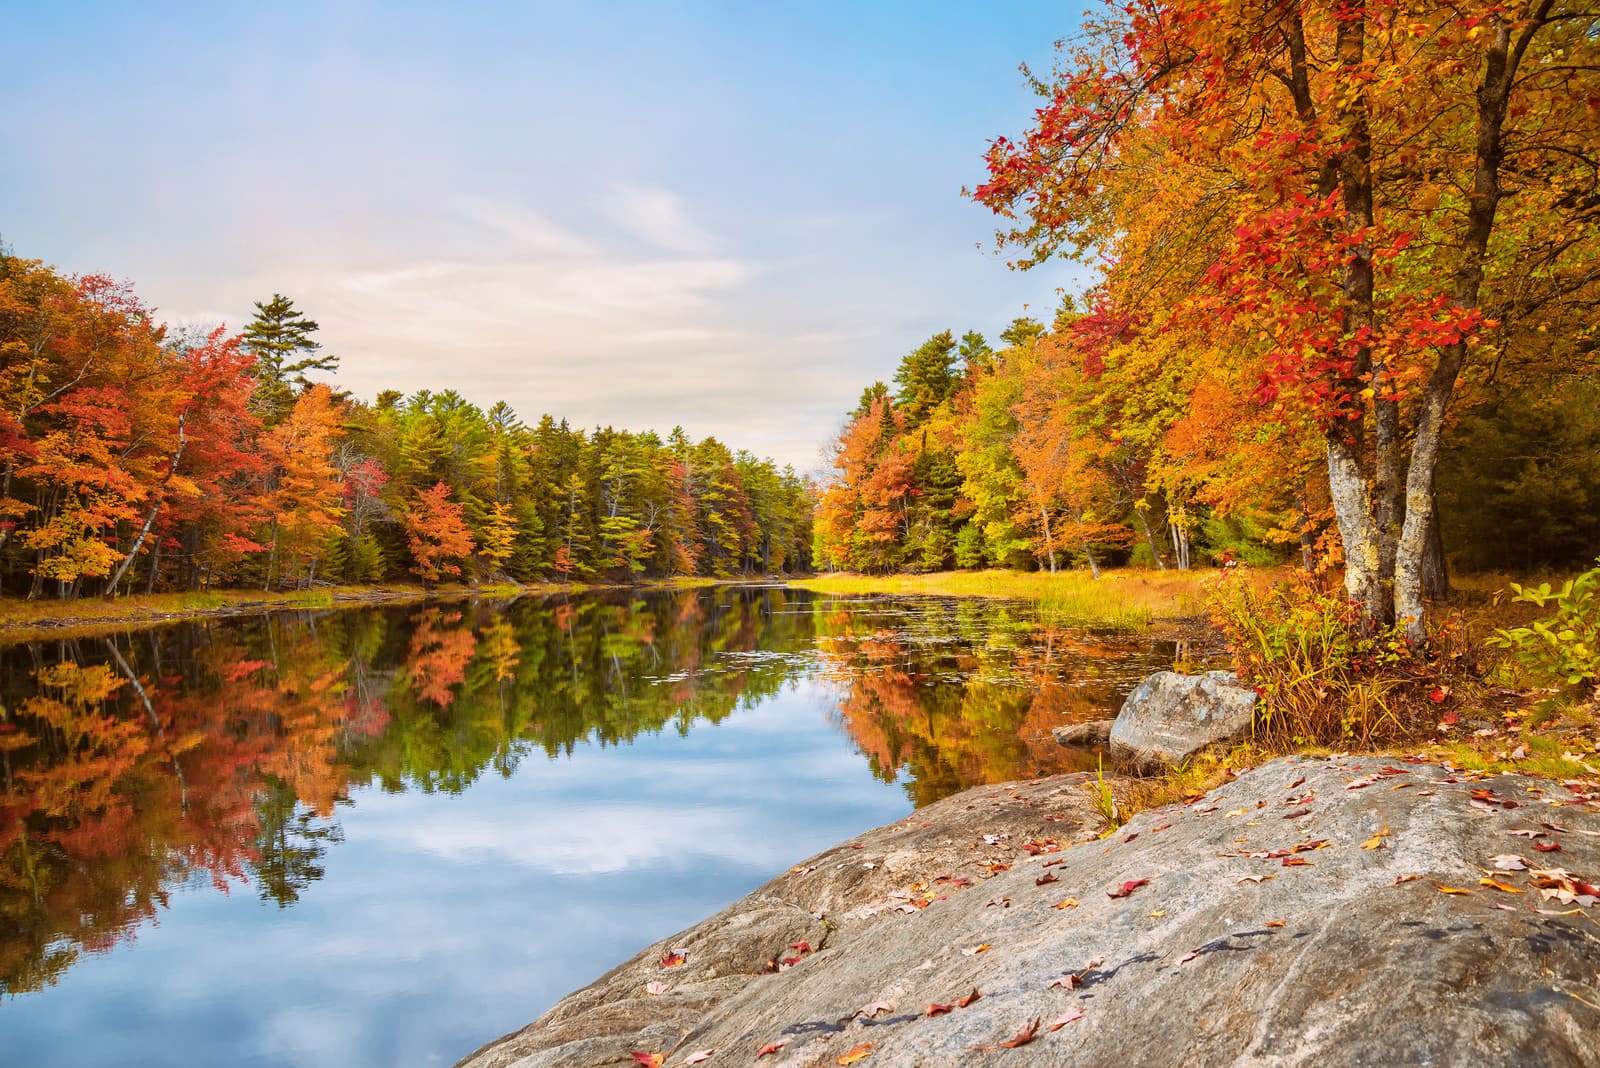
point(432, 823)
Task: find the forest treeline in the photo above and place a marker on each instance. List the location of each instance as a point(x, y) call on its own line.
point(134, 459)
point(1028, 456)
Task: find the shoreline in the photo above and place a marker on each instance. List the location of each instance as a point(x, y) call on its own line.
point(23, 621)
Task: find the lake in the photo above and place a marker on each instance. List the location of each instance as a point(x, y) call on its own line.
point(385, 836)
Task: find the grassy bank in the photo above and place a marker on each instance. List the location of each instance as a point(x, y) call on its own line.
point(22, 620)
point(1129, 597)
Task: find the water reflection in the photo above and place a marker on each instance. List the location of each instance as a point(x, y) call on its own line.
point(225, 752)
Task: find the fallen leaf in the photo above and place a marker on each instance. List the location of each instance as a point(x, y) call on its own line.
point(1509, 862)
point(1297, 813)
point(1022, 1038)
point(698, 1057)
point(650, 1060)
point(1065, 1018)
point(1523, 832)
point(801, 947)
point(1507, 908)
point(673, 959)
point(962, 1003)
point(1274, 923)
point(1127, 888)
point(1156, 914)
point(1236, 812)
point(859, 1053)
point(657, 987)
point(1398, 879)
point(1257, 878)
point(1047, 877)
point(1296, 862)
point(1443, 889)
point(936, 1010)
point(1069, 903)
point(975, 950)
point(1003, 902)
point(1547, 847)
point(869, 1011)
point(769, 1049)
point(1065, 982)
point(1376, 841)
point(1189, 956)
point(1498, 885)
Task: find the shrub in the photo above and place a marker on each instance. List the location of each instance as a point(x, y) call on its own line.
point(1564, 647)
point(1320, 678)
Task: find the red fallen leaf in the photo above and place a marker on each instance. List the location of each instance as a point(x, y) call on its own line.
point(791, 961)
point(1438, 694)
point(1163, 827)
point(1398, 879)
point(650, 1060)
point(1386, 771)
point(673, 959)
point(1065, 1018)
point(1275, 923)
point(769, 1049)
point(1298, 782)
point(851, 1056)
point(1296, 862)
point(1127, 888)
point(1297, 813)
point(935, 1010)
point(1022, 1038)
point(1131, 837)
point(962, 1003)
point(1547, 847)
point(997, 868)
point(1047, 877)
point(1189, 956)
point(801, 947)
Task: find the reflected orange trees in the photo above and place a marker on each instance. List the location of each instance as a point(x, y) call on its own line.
point(964, 693)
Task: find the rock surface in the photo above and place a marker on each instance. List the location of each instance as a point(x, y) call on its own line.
point(1095, 732)
point(1169, 717)
point(1309, 912)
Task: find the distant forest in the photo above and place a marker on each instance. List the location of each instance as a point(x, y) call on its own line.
point(136, 459)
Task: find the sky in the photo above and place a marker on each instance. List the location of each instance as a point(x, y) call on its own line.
point(726, 216)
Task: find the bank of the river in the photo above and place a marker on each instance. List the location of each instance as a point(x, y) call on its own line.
point(1308, 911)
point(22, 620)
point(1129, 597)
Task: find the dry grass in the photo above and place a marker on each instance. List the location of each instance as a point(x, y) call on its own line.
point(1125, 598)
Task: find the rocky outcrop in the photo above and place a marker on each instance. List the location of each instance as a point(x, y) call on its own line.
point(1168, 717)
point(1342, 911)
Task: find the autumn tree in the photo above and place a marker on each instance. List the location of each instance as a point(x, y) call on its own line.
point(437, 534)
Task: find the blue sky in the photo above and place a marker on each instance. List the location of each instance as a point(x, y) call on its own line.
point(726, 216)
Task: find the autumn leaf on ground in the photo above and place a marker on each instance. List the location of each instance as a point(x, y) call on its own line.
point(1376, 841)
point(1065, 1018)
point(769, 1049)
point(1127, 888)
point(657, 987)
point(1156, 914)
point(1297, 862)
point(800, 947)
point(869, 1011)
point(1065, 982)
point(974, 950)
point(1047, 877)
point(1547, 847)
point(1398, 879)
point(1189, 956)
point(1498, 885)
point(962, 1003)
point(1443, 889)
point(1297, 813)
point(1274, 923)
point(673, 959)
point(859, 1053)
point(650, 1060)
point(1068, 903)
point(1022, 1038)
point(698, 1057)
point(1257, 878)
point(935, 1010)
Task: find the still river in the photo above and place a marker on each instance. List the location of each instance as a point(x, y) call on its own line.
point(385, 836)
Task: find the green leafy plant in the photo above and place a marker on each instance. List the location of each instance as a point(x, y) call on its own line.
point(1104, 798)
point(1563, 648)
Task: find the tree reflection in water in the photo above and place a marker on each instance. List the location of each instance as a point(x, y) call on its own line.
point(220, 751)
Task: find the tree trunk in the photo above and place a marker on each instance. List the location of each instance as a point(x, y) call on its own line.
point(1358, 532)
point(1094, 565)
point(1500, 68)
point(1144, 521)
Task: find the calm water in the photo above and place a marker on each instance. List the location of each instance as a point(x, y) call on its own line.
point(386, 836)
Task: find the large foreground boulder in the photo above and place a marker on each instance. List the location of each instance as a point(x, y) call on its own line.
point(1168, 717)
point(1325, 912)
